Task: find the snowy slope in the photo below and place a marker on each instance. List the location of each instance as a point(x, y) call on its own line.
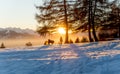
point(88, 58)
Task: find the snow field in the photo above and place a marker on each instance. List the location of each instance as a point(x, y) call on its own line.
point(83, 58)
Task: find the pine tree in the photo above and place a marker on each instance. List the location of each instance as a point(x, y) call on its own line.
point(55, 11)
point(92, 11)
point(2, 45)
point(71, 41)
point(61, 40)
point(77, 40)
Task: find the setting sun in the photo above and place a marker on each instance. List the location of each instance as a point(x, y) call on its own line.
point(61, 30)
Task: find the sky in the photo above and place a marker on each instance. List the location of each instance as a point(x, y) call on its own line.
point(18, 13)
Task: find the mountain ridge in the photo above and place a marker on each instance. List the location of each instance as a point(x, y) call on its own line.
point(16, 33)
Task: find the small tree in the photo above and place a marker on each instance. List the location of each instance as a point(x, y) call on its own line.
point(71, 41)
point(84, 39)
point(2, 45)
point(77, 40)
point(61, 40)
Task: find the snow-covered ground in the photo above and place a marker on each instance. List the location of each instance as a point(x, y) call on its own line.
point(83, 58)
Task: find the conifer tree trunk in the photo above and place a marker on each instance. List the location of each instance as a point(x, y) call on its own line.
point(93, 21)
point(66, 22)
point(89, 22)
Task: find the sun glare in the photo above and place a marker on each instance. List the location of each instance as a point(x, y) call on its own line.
point(61, 30)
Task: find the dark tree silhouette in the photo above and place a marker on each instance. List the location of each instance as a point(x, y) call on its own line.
point(112, 19)
point(61, 40)
point(93, 11)
point(55, 11)
point(71, 41)
point(79, 15)
point(2, 45)
point(77, 40)
point(45, 29)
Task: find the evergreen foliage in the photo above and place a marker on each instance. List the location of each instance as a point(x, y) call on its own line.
point(84, 39)
point(77, 40)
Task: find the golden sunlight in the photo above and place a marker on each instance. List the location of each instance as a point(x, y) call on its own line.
point(61, 30)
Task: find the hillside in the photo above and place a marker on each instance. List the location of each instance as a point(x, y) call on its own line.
point(88, 58)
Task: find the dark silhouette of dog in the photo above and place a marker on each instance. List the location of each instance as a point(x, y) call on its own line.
point(50, 42)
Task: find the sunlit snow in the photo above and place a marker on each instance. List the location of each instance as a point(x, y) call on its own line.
point(82, 58)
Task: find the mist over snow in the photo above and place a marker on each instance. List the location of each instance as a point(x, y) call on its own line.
point(82, 58)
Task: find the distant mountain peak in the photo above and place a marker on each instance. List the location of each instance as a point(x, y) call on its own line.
point(16, 33)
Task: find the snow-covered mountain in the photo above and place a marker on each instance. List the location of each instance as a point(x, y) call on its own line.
point(8, 33)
